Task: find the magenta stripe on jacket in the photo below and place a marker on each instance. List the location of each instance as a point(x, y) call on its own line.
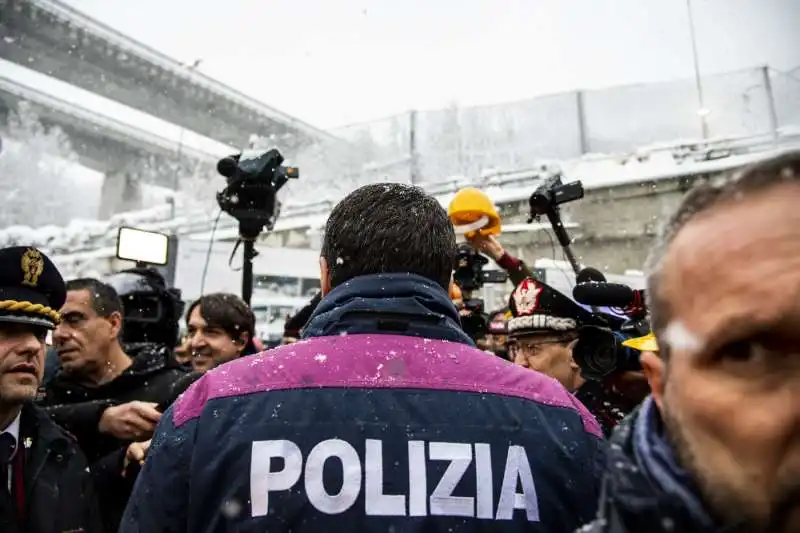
point(377, 361)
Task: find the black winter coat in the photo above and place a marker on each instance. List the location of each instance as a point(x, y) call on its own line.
point(152, 377)
point(58, 488)
point(78, 408)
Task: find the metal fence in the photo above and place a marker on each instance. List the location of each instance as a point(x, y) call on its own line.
point(431, 146)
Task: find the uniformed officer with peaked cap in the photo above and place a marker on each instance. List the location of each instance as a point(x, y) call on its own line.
point(543, 328)
point(45, 484)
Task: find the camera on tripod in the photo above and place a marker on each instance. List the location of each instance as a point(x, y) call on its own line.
point(546, 200)
point(254, 180)
point(251, 197)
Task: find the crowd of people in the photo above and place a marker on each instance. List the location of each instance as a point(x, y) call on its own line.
point(381, 413)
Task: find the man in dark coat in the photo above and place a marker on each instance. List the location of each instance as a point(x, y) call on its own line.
point(716, 447)
point(104, 395)
point(385, 417)
point(45, 485)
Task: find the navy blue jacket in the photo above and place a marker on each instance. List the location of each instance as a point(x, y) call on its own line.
point(385, 418)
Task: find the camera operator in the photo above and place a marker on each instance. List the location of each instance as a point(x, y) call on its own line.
point(544, 331)
point(152, 311)
point(495, 339)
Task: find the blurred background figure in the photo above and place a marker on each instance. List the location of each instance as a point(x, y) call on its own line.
point(293, 327)
point(183, 352)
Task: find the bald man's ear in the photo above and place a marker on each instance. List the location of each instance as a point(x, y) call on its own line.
point(653, 367)
point(324, 276)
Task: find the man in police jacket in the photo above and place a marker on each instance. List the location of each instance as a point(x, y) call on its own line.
point(385, 417)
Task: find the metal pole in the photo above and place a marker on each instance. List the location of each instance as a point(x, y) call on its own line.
point(772, 112)
point(412, 146)
point(176, 176)
point(698, 80)
point(190, 70)
point(583, 135)
point(247, 270)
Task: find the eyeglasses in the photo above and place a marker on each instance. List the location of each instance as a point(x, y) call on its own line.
point(535, 344)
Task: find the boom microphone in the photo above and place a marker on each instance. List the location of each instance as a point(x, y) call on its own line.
point(602, 294)
point(227, 166)
point(589, 274)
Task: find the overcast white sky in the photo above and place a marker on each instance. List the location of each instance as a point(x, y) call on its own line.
point(332, 62)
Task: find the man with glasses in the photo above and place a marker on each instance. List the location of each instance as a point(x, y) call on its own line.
point(542, 330)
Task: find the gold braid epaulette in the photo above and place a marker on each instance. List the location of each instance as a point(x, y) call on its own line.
point(29, 307)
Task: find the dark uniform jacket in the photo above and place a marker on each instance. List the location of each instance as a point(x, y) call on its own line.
point(644, 489)
point(384, 418)
point(58, 494)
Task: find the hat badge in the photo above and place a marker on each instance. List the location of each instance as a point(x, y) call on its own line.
point(32, 267)
point(526, 297)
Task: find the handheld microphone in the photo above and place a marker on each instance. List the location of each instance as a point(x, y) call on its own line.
point(602, 294)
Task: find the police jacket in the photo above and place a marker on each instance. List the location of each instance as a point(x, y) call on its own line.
point(644, 488)
point(384, 418)
point(57, 494)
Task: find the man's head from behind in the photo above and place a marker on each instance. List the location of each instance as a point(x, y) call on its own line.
point(724, 284)
point(220, 326)
point(387, 228)
point(91, 321)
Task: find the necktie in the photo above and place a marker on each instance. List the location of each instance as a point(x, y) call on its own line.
point(7, 445)
point(8, 508)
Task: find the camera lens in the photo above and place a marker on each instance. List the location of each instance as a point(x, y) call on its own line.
point(597, 352)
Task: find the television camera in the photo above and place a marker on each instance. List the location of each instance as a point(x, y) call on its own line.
point(600, 351)
point(152, 307)
point(253, 182)
point(469, 275)
point(546, 201)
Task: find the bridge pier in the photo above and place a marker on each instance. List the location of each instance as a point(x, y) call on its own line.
point(122, 191)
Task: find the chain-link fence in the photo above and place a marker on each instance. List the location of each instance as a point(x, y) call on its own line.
point(432, 146)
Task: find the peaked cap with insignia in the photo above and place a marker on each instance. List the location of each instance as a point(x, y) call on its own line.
point(31, 287)
point(536, 307)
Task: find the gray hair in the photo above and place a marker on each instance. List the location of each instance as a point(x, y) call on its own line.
point(758, 177)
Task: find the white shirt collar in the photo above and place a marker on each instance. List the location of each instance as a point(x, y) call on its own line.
point(13, 428)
